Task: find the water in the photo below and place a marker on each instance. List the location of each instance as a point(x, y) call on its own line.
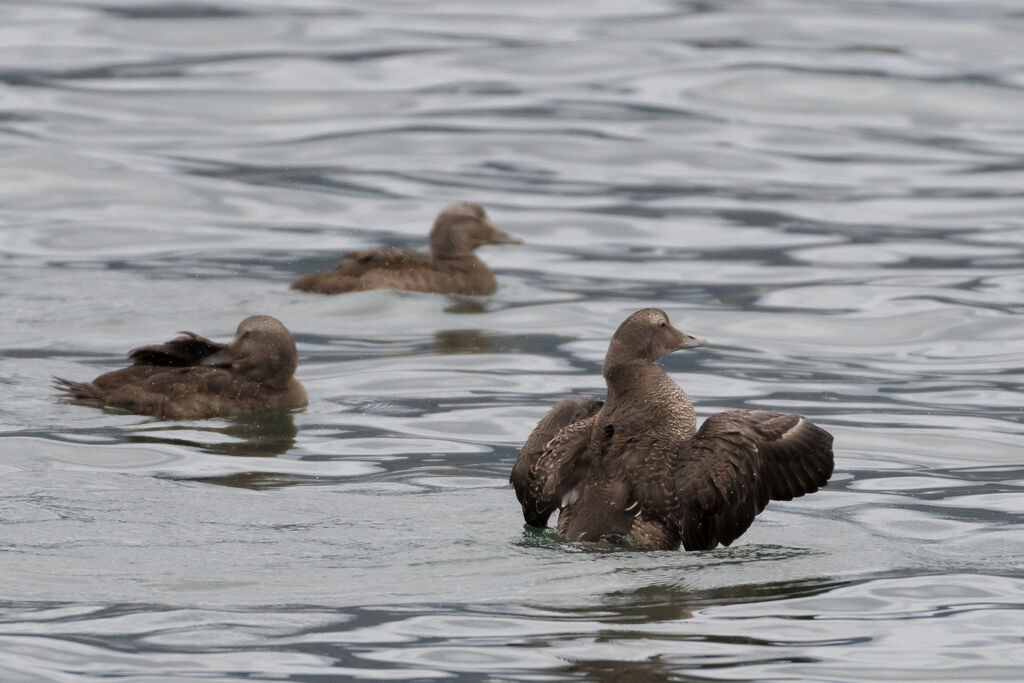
point(830, 192)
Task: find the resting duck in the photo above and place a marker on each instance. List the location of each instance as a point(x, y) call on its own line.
point(450, 268)
point(634, 469)
point(192, 378)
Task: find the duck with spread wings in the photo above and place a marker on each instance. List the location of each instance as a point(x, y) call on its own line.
point(634, 469)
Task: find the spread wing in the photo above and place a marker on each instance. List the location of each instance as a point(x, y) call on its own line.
point(545, 470)
point(738, 461)
point(188, 349)
point(711, 486)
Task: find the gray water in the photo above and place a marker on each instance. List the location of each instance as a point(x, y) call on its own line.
point(829, 191)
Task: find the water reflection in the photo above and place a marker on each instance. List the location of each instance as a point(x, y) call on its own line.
point(258, 435)
point(256, 481)
point(466, 306)
point(617, 671)
point(675, 601)
point(464, 341)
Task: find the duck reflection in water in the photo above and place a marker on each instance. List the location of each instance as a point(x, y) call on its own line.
point(463, 341)
point(258, 435)
point(634, 469)
point(466, 305)
point(651, 611)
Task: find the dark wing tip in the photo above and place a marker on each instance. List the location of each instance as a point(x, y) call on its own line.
point(188, 349)
point(541, 469)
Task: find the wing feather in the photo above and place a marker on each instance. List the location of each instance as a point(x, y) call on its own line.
point(738, 461)
point(188, 349)
point(355, 263)
point(543, 474)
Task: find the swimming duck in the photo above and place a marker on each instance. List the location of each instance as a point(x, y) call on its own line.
point(450, 268)
point(191, 377)
point(634, 469)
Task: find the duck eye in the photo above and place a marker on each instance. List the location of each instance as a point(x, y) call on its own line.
point(662, 324)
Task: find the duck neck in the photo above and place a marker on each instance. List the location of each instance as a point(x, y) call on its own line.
point(641, 394)
point(630, 378)
point(458, 260)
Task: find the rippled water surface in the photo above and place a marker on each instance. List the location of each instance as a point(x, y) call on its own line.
point(829, 191)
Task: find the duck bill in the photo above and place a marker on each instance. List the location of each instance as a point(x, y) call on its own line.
point(685, 341)
point(499, 237)
point(504, 238)
point(694, 342)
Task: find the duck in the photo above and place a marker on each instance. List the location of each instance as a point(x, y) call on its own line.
point(191, 377)
point(634, 470)
point(451, 267)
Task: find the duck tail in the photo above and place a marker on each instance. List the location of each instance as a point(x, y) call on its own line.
point(76, 390)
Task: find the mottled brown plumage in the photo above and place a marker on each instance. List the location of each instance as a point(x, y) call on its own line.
point(636, 470)
point(191, 377)
point(452, 267)
point(571, 420)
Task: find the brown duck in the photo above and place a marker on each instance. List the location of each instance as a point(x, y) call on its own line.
point(634, 469)
point(452, 267)
point(191, 377)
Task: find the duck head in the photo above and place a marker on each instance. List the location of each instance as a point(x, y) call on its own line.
point(461, 228)
point(263, 350)
point(646, 336)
